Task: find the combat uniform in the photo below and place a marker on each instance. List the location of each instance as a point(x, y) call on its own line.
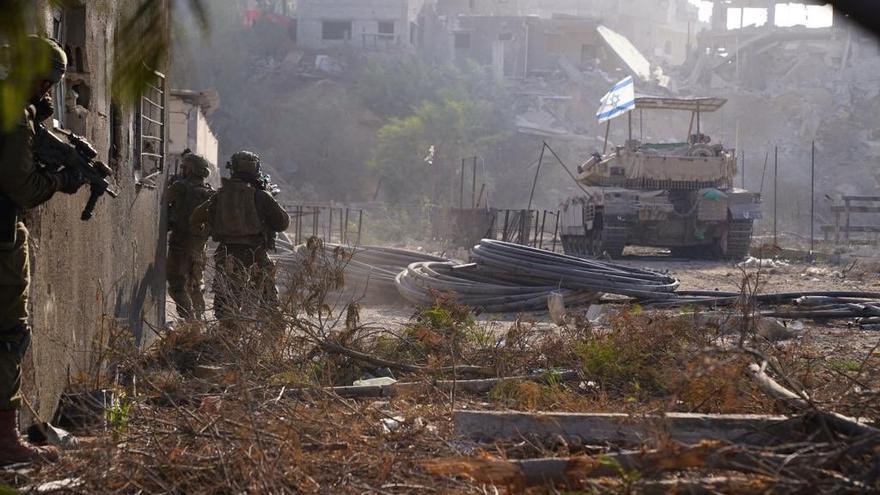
point(187, 255)
point(241, 218)
point(22, 187)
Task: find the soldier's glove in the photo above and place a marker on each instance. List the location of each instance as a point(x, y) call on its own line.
point(70, 180)
point(44, 108)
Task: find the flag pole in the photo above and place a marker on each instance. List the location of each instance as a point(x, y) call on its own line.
point(630, 115)
point(607, 129)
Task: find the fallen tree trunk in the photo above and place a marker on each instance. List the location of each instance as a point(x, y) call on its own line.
point(472, 386)
point(573, 471)
point(617, 428)
point(798, 404)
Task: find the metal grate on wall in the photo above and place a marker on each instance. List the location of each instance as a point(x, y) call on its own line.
point(151, 126)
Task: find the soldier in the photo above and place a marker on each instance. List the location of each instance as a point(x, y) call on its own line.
point(186, 247)
point(22, 187)
point(243, 218)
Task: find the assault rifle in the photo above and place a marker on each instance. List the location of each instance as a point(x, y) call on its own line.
point(54, 154)
point(264, 182)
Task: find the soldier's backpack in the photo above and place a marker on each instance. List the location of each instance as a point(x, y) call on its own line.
point(235, 219)
point(196, 194)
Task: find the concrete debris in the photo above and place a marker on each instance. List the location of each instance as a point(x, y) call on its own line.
point(328, 64)
point(616, 428)
point(540, 122)
point(66, 485)
point(633, 58)
point(772, 329)
point(752, 262)
point(556, 305)
point(375, 382)
point(392, 424)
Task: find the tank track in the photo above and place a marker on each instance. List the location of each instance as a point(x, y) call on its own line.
point(739, 239)
point(613, 240)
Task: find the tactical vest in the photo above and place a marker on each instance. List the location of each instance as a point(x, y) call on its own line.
point(235, 219)
point(196, 194)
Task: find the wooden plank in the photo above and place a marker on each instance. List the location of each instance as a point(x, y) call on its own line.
point(618, 428)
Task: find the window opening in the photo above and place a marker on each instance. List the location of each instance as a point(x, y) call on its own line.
point(151, 126)
point(386, 27)
point(115, 151)
point(75, 38)
point(59, 89)
point(336, 30)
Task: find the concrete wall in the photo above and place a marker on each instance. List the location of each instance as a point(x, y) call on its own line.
point(649, 24)
point(189, 128)
point(514, 46)
point(90, 277)
point(574, 39)
point(499, 42)
point(364, 15)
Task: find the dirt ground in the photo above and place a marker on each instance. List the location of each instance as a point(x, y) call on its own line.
point(631, 361)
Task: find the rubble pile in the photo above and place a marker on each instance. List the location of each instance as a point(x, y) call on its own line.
point(788, 87)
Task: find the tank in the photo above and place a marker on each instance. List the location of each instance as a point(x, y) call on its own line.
point(676, 195)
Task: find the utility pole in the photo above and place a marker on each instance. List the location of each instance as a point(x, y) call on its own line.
point(538, 171)
point(474, 185)
point(775, 192)
point(461, 189)
point(812, 195)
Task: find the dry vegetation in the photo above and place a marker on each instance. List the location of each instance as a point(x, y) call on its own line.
point(233, 407)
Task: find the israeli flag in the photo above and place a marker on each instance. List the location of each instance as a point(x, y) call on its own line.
point(618, 101)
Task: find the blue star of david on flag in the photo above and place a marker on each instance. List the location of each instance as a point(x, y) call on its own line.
point(618, 101)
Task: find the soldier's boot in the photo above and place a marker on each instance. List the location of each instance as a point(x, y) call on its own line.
point(13, 450)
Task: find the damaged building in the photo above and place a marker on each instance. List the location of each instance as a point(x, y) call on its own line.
point(663, 29)
point(105, 277)
point(189, 128)
point(792, 80)
point(371, 24)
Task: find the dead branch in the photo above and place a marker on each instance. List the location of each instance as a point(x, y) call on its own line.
point(798, 404)
point(471, 386)
point(573, 471)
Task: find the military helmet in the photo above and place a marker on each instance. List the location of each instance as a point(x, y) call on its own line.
point(50, 50)
point(246, 162)
point(199, 165)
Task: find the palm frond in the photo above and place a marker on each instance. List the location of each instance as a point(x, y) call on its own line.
point(141, 45)
point(19, 62)
point(143, 41)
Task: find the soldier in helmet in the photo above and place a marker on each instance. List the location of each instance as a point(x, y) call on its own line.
point(242, 218)
point(186, 247)
point(22, 187)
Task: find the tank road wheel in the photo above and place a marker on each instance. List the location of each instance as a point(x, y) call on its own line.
point(738, 240)
point(610, 240)
point(565, 240)
point(573, 245)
